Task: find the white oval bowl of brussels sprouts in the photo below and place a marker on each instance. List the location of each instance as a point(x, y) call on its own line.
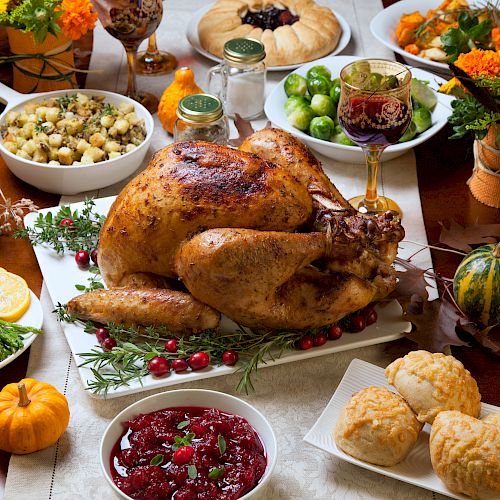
point(312, 118)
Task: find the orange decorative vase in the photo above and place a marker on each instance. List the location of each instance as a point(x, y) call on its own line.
point(485, 181)
point(50, 68)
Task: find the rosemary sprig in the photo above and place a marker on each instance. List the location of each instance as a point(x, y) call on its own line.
point(136, 346)
point(83, 234)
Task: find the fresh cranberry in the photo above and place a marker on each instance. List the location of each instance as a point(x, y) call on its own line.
point(93, 256)
point(101, 334)
point(82, 258)
point(67, 222)
point(158, 366)
point(230, 357)
point(183, 455)
point(305, 343)
point(357, 323)
point(108, 344)
point(171, 346)
point(199, 360)
point(320, 339)
point(371, 317)
point(335, 332)
point(179, 365)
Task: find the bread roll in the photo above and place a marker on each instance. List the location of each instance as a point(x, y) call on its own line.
point(377, 426)
point(434, 382)
point(492, 419)
point(465, 454)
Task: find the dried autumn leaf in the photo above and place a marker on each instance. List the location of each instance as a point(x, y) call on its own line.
point(490, 338)
point(244, 128)
point(435, 323)
point(410, 282)
point(462, 237)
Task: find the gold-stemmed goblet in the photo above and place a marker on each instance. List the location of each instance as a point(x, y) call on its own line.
point(374, 111)
point(131, 23)
point(153, 61)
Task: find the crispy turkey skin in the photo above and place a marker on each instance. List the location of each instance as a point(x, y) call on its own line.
point(259, 234)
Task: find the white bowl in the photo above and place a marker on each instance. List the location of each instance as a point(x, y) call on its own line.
point(275, 111)
point(383, 28)
point(193, 397)
point(74, 179)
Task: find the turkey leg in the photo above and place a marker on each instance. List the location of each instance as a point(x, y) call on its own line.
point(264, 278)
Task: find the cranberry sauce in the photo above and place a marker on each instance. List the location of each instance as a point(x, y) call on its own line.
point(187, 453)
point(270, 19)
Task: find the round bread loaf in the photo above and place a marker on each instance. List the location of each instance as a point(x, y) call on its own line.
point(465, 454)
point(377, 426)
point(434, 382)
point(314, 35)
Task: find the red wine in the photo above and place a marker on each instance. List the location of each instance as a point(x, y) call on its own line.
point(377, 119)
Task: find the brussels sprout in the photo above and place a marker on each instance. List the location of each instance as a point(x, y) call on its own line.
point(319, 71)
point(374, 81)
point(294, 102)
point(318, 85)
point(301, 117)
point(422, 119)
point(335, 91)
point(361, 67)
point(410, 133)
point(389, 82)
point(323, 105)
point(422, 94)
point(295, 85)
point(321, 127)
point(341, 138)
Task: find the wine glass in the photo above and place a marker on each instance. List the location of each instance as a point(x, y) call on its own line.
point(133, 22)
point(153, 61)
point(374, 111)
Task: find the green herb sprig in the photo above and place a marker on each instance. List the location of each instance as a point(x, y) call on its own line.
point(82, 235)
point(94, 282)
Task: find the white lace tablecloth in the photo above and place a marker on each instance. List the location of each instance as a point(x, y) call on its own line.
point(292, 397)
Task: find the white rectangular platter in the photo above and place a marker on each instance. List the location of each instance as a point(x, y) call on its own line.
point(61, 274)
point(416, 468)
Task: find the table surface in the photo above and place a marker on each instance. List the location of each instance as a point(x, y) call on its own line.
point(443, 169)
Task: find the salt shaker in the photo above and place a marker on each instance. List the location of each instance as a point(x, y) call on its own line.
point(243, 78)
point(200, 117)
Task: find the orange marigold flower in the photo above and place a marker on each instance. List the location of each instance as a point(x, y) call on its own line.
point(480, 62)
point(77, 19)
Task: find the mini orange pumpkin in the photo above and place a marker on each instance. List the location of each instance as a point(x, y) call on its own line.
point(182, 86)
point(33, 416)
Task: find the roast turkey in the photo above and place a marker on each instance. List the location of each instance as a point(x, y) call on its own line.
point(259, 234)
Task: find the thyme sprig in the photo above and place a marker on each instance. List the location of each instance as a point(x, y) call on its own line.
point(83, 234)
point(94, 281)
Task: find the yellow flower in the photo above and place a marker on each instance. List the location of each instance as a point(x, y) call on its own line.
point(453, 87)
point(478, 62)
point(3, 6)
point(78, 18)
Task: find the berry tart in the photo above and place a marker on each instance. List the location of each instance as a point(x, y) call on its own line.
point(292, 31)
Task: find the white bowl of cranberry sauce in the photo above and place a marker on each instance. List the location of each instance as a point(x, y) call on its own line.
point(189, 444)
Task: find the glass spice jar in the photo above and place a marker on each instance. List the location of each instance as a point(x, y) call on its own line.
point(200, 117)
point(242, 78)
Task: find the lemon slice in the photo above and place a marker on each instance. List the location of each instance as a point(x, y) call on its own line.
point(14, 296)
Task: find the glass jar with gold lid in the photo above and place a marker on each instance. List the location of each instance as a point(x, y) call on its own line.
point(200, 117)
point(240, 80)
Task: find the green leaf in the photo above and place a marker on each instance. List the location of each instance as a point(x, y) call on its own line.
point(183, 424)
point(222, 444)
point(466, 21)
point(216, 472)
point(149, 356)
point(192, 472)
point(157, 460)
point(81, 288)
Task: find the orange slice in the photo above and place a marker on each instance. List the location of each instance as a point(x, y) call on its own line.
point(14, 296)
